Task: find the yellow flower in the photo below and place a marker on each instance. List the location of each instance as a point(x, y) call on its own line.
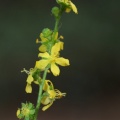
point(69, 5)
point(29, 81)
point(53, 59)
point(53, 94)
point(28, 88)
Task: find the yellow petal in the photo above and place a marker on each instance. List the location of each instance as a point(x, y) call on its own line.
point(18, 112)
point(43, 39)
point(47, 85)
point(41, 64)
point(55, 69)
point(28, 88)
point(55, 49)
point(52, 94)
point(74, 8)
point(44, 55)
point(62, 61)
point(68, 10)
point(42, 48)
point(61, 45)
point(29, 79)
point(47, 106)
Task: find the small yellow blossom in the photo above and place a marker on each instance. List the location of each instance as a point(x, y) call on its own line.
point(29, 81)
point(28, 87)
point(69, 5)
point(52, 95)
point(53, 59)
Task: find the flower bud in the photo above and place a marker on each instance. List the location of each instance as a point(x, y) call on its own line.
point(55, 11)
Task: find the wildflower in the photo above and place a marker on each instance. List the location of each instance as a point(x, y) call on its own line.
point(50, 95)
point(53, 59)
point(69, 5)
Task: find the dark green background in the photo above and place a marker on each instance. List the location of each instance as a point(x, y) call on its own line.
point(92, 44)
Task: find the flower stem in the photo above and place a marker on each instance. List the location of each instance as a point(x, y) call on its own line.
point(57, 22)
point(45, 72)
point(40, 93)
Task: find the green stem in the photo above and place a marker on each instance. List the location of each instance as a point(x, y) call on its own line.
point(40, 93)
point(57, 22)
point(45, 72)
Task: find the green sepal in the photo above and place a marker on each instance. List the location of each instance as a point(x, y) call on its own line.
point(45, 94)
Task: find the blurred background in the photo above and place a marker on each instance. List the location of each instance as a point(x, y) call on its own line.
point(92, 44)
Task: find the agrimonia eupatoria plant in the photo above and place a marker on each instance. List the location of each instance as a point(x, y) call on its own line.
point(49, 60)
